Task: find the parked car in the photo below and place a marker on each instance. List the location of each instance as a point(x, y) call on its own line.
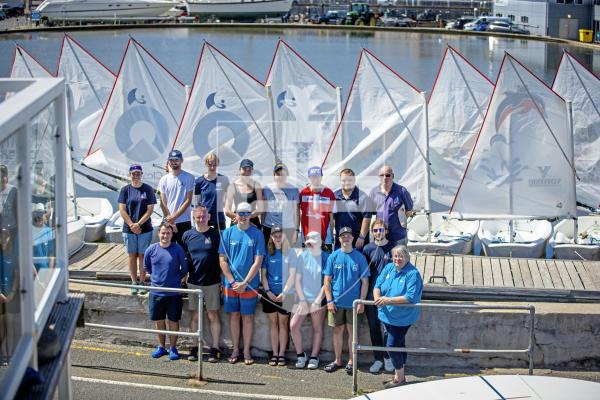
point(387, 20)
point(2, 15)
point(459, 23)
point(332, 17)
point(481, 23)
point(506, 27)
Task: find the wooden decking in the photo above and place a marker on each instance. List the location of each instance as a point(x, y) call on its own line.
point(445, 276)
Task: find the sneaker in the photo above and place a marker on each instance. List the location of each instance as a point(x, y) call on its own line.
point(159, 352)
point(142, 291)
point(313, 363)
point(389, 367)
point(301, 361)
point(134, 291)
point(193, 356)
point(376, 367)
point(215, 355)
point(173, 354)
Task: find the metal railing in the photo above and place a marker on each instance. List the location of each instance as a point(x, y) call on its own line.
point(197, 334)
point(356, 347)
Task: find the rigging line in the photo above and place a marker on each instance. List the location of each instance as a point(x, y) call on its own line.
point(398, 111)
point(537, 107)
point(154, 81)
point(462, 75)
point(583, 86)
point(85, 74)
point(25, 62)
point(241, 100)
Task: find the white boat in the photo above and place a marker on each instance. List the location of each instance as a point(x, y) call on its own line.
point(75, 235)
point(446, 236)
point(493, 387)
point(239, 8)
point(526, 238)
point(586, 246)
point(114, 227)
point(95, 213)
point(103, 9)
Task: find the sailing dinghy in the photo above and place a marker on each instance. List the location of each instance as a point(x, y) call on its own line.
point(444, 235)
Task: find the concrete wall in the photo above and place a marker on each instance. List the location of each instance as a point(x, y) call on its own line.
point(535, 10)
point(565, 335)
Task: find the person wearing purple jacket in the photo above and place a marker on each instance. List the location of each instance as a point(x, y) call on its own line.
point(166, 263)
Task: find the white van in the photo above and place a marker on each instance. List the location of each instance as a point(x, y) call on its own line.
point(482, 22)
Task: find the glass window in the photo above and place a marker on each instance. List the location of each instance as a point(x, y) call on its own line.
point(10, 301)
point(43, 217)
point(511, 17)
point(524, 19)
point(560, 1)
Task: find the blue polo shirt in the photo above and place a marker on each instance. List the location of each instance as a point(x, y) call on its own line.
point(311, 269)
point(350, 211)
point(167, 266)
point(241, 247)
point(387, 209)
point(212, 196)
point(346, 271)
point(278, 267)
point(408, 283)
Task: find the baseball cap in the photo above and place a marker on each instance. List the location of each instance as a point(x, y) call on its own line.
point(276, 228)
point(135, 167)
point(346, 230)
point(175, 155)
point(246, 163)
point(279, 166)
point(313, 238)
point(243, 207)
point(315, 171)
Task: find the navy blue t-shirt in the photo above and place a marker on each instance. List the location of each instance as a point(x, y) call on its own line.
point(377, 258)
point(350, 212)
point(202, 254)
point(136, 202)
point(212, 196)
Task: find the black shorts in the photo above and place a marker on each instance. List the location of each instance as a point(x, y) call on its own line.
point(269, 307)
point(161, 307)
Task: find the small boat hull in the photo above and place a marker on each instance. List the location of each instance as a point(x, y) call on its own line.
point(529, 239)
point(114, 227)
point(448, 236)
point(95, 213)
point(239, 9)
point(563, 245)
point(75, 236)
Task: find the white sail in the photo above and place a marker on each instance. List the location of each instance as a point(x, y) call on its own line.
point(576, 83)
point(521, 166)
point(89, 84)
point(26, 66)
point(227, 113)
point(305, 108)
point(140, 119)
point(457, 106)
point(384, 122)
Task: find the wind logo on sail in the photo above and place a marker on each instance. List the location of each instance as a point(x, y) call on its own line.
point(544, 180)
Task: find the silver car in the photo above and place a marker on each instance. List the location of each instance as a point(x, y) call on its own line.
point(506, 27)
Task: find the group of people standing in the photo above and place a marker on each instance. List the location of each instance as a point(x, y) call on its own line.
point(275, 251)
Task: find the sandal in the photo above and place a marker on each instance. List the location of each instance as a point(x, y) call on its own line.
point(233, 359)
point(348, 369)
point(273, 361)
point(282, 362)
point(332, 367)
point(393, 383)
point(248, 361)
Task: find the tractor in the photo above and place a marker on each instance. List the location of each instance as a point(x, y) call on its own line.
point(360, 14)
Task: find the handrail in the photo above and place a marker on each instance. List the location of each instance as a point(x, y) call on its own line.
point(356, 347)
point(198, 333)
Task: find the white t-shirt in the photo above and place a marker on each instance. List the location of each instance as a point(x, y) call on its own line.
point(175, 188)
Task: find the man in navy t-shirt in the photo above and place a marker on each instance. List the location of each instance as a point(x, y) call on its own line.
point(210, 189)
point(201, 246)
point(165, 262)
point(352, 209)
point(136, 205)
point(346, 279)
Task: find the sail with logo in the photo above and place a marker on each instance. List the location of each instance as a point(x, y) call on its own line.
point(456, 108)
point(521, 167)
point(227, 113)
point(89, 83)
point(580, 239)
point(384, 122)
point(141, 118)
point(306, 110)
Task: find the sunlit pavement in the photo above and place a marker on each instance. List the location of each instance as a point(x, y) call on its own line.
point(122, 372)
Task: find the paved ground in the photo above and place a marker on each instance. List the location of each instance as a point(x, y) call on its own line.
point(103, 371)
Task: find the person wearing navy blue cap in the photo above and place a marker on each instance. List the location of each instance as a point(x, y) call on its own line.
point(136, 205)
point(281, 205)
point(176, 189)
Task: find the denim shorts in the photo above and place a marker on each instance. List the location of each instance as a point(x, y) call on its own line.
point(137, 243)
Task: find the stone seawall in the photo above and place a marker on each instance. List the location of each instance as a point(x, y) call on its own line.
point(566, 335)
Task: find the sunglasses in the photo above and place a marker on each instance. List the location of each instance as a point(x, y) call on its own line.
point(377, 230)
point(244, 214)
point(385, 175)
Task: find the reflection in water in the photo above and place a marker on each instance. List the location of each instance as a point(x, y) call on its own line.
point(416, 56)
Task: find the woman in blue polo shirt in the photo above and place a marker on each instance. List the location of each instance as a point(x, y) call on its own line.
point(398, 283)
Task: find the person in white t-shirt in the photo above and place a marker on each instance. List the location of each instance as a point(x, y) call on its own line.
point(176, 190)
